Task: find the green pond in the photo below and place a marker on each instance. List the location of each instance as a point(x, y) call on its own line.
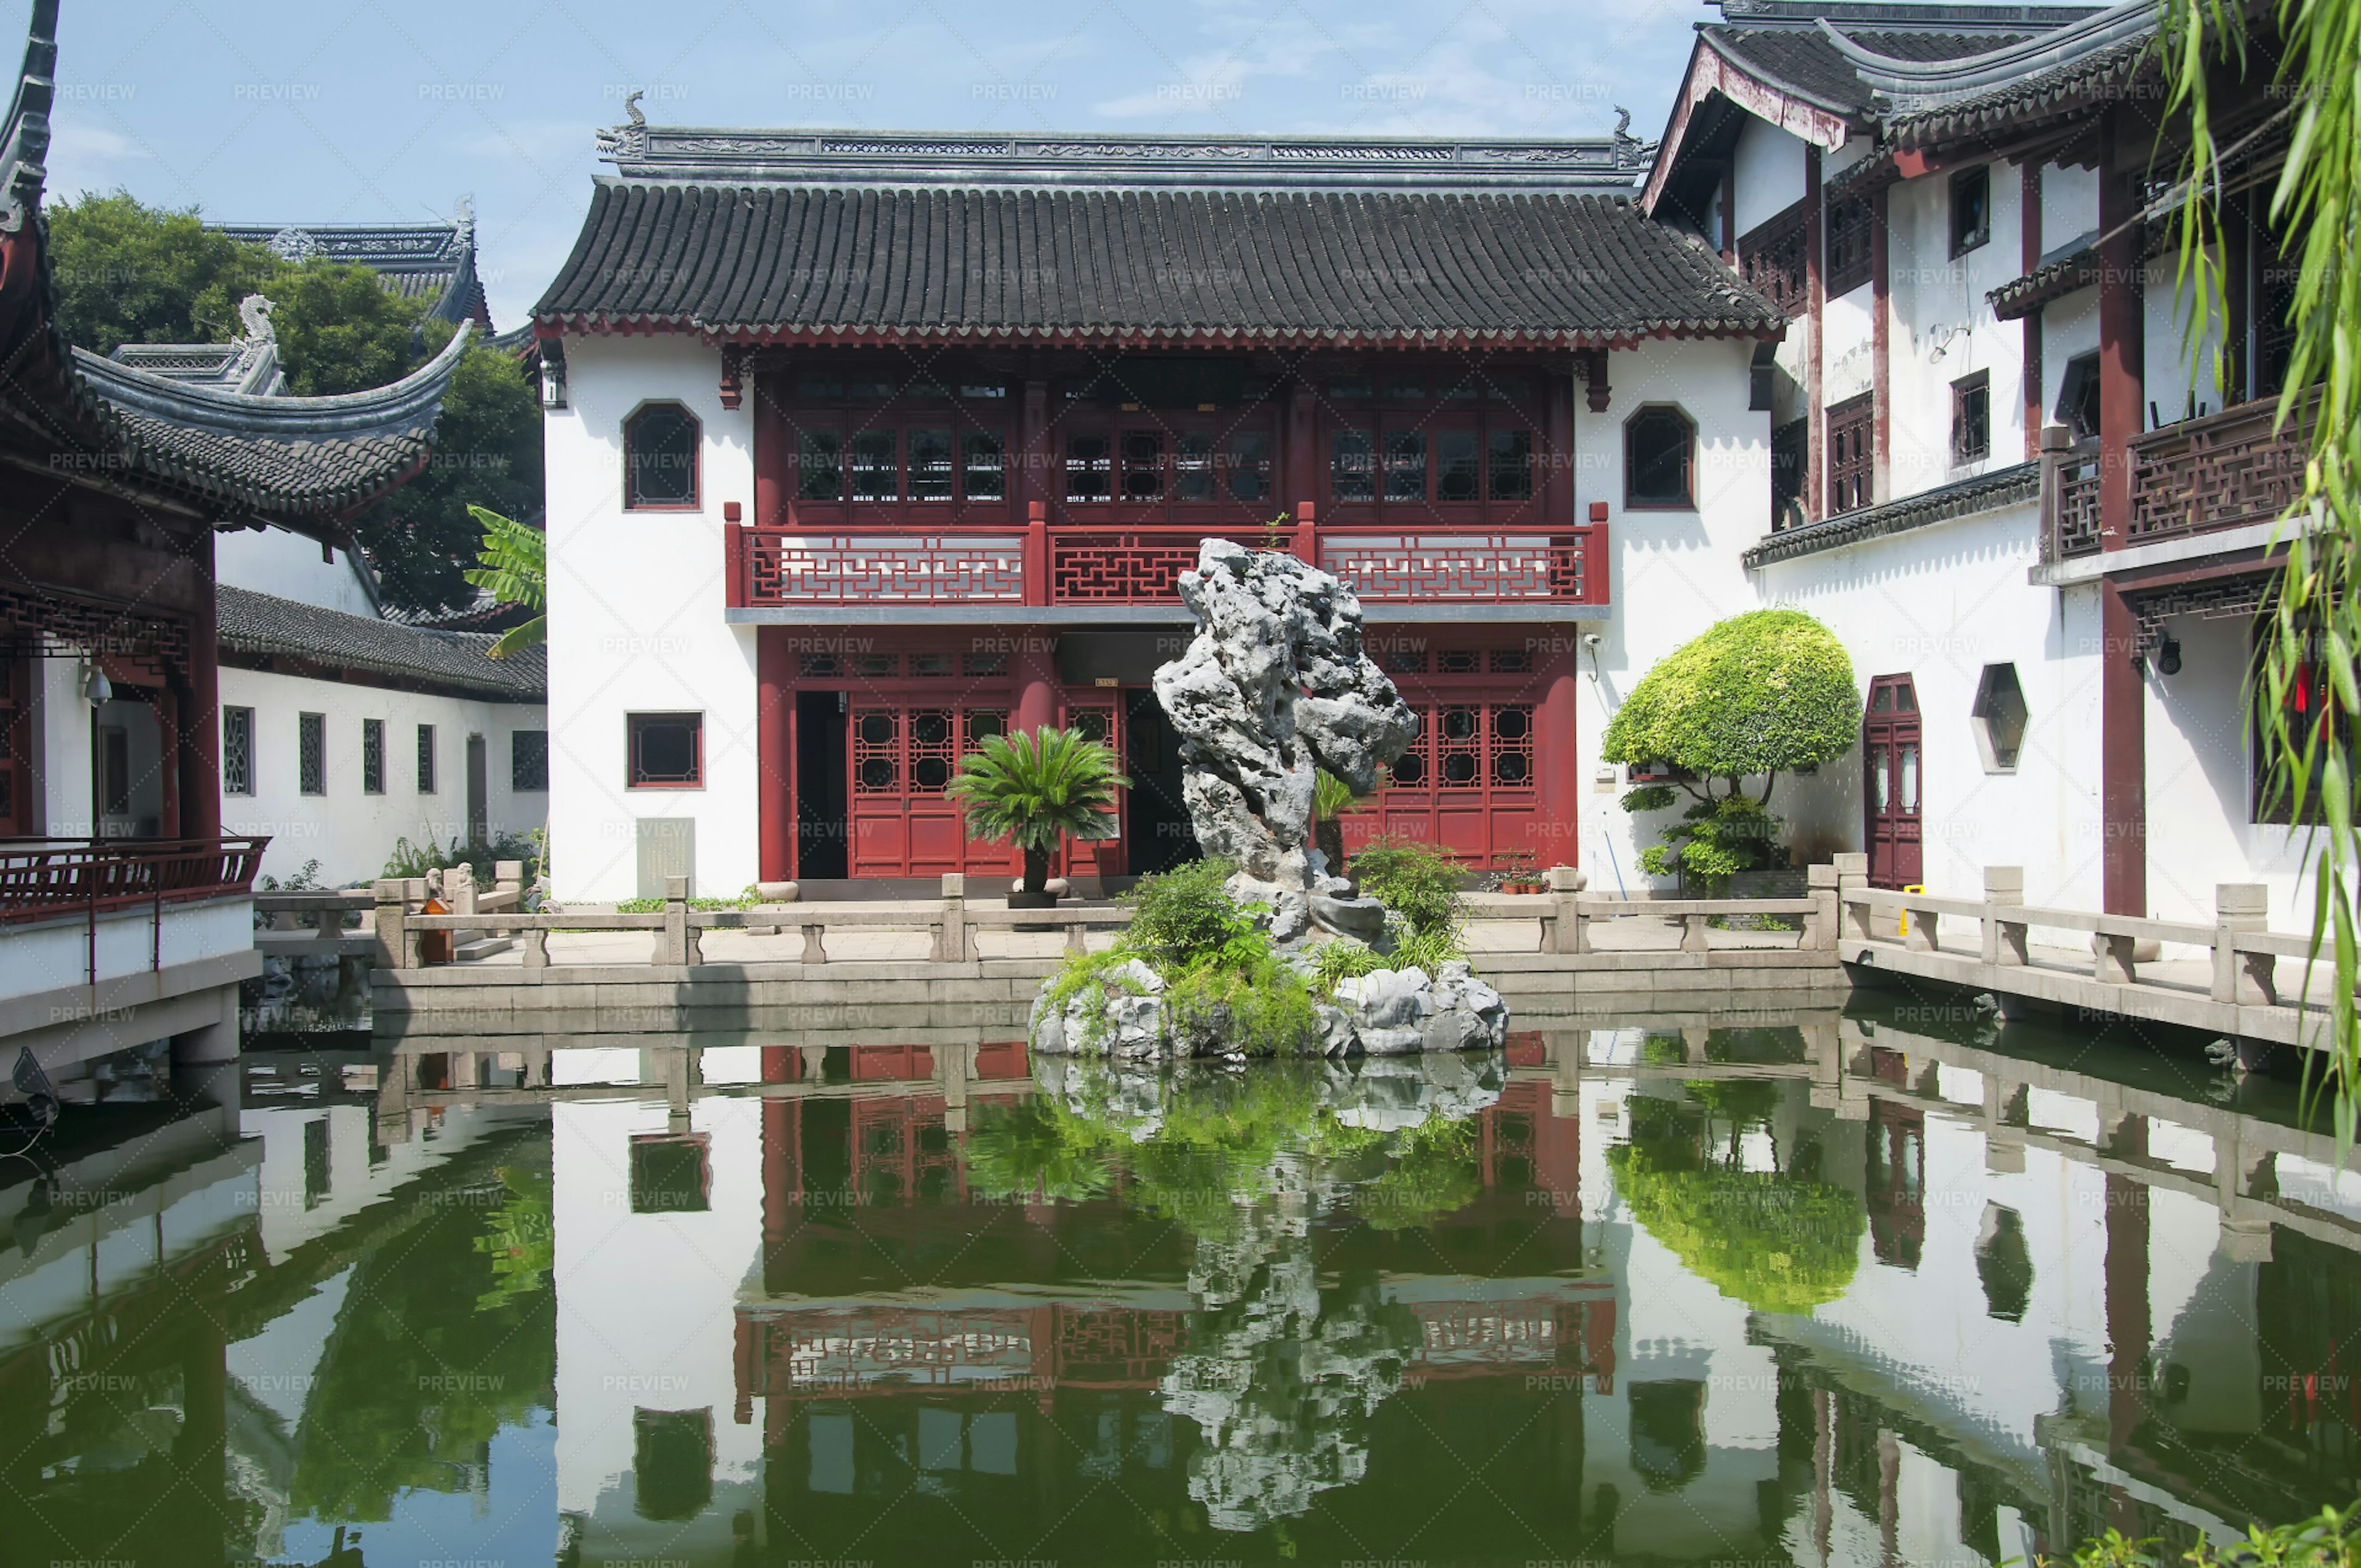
point(1908, 1286)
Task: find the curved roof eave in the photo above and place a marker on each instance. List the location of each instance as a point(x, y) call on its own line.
point(1715, 68)
point(401, 406)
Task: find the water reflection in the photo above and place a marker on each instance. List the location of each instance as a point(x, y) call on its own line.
point(1822, 1290)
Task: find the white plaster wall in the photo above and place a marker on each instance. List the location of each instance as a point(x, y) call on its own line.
point(643, 1319)
point(2199, 817)
point(1848, 368)
point(1770, 176)
point(350, 833)
point(636, 622)
point(273, 561)
point(1938, 603)
point(2070, 205)
point(63, 759)
point(1674, 573)
point(59, 953)
point(1935, 295)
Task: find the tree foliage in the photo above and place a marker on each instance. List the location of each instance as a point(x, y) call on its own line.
point(1754, 696)
point(2311, 642)
point(127, 272)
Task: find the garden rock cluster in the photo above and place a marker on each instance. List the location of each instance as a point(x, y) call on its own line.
point(1274, 687)
point(1121, 1014)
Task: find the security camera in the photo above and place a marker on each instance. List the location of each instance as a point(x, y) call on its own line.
point(1591, 639)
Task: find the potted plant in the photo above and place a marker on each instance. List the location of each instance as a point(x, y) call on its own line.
point(1516, 873)
point(1032, 791)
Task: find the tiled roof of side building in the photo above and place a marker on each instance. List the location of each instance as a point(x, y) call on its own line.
point(2011, 486)
point(261, 626)
point(770, 261)
point(1810, 65)
point(433, 261)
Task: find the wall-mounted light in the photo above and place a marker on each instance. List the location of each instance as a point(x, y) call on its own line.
point(1944, 337)
point(95, 688)
point(2168, 658)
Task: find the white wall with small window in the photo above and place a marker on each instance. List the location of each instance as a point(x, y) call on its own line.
point(336, 770)
point(635, 590)
point(1956, 369)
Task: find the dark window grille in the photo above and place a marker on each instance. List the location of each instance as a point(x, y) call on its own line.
point(1771, 258)
point(660, 457)
point(1849, 248)
point(1852, 457)
point(426, 759)
point(237, 750)
point(372, 756)
point(1972, 417)
point(667, 749)
point(311, 753)
point(1659, 457)
point(529, 760)
point(1970, 209)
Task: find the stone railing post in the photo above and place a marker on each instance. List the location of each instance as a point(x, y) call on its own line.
point(1820, 924)
point(2250, 980)
point(392, 910)
point(1566, 929)
point(815, 944)
point(2111, 960)
point(672, 947)
point(952, 933)
point(536, 948)
point(1852, 877)
point(508, 876)
point(1693, 928)
point(2003, 940)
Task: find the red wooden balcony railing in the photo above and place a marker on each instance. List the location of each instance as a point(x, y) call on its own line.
point(45, 877)
point(1086, 564)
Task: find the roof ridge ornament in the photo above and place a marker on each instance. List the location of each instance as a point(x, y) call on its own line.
point(630, 140)
point(25, 140)
point(292, 243)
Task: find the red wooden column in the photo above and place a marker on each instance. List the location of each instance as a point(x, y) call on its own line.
point(775, 751)
point(1557, 754)
point(1300, 446)
point(1033, 453)
point(198, 719)
point(2123, 695)
point(2029, 256)
point(1036, 679)
point(1816, 305)
point(2130, 1328)
point(1558, 487)
point(773, 447)
point(1881, 375)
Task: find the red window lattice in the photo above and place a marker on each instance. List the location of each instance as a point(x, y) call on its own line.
point(1773, 260)
point(1851, 221)
point(1471, 746)
point(1852, 433)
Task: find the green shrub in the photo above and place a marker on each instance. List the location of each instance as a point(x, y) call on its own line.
point(1416, 880)
point(415, 860)
point(1243, 999)
point(1183, 915)
point(1332, 961)
point(2330, 1538)
point(1428, 951)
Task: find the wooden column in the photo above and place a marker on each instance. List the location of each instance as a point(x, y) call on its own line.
point(1557, 495)
point(2029, 258)
point(1815, 296)
point(1034, 455)
point(774, 447)
point(2123, 695)
point(773, 745)
point(1881, 376)
point(1730, 211)
point(1036, 679)
point(2127, 1271)
point(198, 716)
point(1298, 448)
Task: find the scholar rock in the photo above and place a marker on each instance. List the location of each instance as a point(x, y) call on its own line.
point(1274, 687)
point(1121, 1013)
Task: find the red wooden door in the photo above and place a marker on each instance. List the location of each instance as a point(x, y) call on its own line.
point(1466, 784)
point(1891, 784)
point(899, 756)
point(1101, 720)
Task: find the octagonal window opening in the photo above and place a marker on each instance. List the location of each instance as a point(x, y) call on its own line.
point(1998, 716)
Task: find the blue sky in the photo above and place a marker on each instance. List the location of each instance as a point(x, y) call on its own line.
point(364, 110)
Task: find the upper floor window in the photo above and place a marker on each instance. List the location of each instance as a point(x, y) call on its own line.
point(1852, 433)
point(1771, 257)
point(1851, 221)
point(1972, 419)
point(1970, 209)
point(1179, 461)
point(1440, 459)
point(659, 442)
point(1659, 458)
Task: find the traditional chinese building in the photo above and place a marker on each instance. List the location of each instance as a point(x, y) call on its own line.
point(861, 447)
point(124, 919)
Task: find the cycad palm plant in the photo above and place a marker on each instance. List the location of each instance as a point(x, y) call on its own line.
point(1331, 798)
point(1032, 790)
point(515, 571)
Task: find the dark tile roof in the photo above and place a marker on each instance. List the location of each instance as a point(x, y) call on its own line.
point(418, 261)
point(778, 261)
point(1985, 492)
point(2058, 90)
point(264, 625)
point(1811, 66)
point(277, 456)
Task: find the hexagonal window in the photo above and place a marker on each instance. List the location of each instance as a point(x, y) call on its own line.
point(1998, 718)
